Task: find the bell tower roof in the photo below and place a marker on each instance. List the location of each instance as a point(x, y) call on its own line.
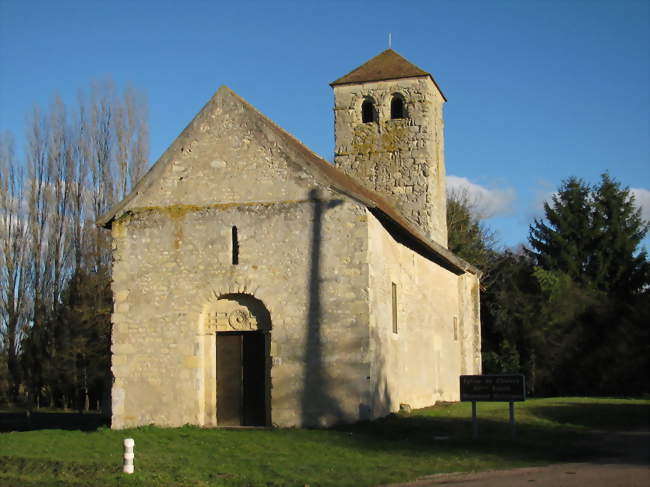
point(384, 66)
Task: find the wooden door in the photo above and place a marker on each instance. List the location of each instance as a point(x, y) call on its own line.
point(254, 379)
point(229, 379)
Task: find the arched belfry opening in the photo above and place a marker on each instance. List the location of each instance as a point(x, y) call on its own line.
point(238, 388)
point(368, 111)
point(397, 107)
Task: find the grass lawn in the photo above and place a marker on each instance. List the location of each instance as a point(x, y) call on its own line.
point(397, 448)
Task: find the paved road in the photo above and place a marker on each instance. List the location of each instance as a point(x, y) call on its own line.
point(559, 475)
point(629, 466)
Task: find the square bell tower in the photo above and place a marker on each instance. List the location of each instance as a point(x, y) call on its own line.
point(389, 136)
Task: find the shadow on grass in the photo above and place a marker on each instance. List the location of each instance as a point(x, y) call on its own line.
point(19, 421)
point(596, 416)
point(421, 434)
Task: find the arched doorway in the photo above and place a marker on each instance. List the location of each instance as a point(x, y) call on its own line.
point(242, 326)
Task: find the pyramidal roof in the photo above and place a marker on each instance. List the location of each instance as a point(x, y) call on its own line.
point(384, 66)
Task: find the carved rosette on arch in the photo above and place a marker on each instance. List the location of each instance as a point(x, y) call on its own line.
point(240, 319)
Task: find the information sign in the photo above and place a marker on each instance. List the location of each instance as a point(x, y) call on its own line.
point(498, 387)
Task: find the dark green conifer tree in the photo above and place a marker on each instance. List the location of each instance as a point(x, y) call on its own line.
point(592, 236)
point(618, 268)
point(594, 283)
point(565, 240)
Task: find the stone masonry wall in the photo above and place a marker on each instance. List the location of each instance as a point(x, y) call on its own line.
point(469, 324)
point(228, 154)
point(168, 268)
point(302, 253)
point(402, 159)
point(421, 363)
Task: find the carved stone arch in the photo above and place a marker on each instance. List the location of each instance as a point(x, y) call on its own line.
point(236, 312)
point(233, 308)
point(210, 295)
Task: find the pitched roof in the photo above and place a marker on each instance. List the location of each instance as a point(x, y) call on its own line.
point(323, 170)
point(384, 66)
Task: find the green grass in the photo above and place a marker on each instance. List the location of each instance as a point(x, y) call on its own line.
point(397, 448)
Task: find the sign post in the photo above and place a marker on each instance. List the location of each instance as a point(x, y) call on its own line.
point(474, 421)
point(493, 388)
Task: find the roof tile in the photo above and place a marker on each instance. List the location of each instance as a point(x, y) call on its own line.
point(384, 66)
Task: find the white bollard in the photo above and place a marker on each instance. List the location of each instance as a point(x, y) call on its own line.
point(129, 443)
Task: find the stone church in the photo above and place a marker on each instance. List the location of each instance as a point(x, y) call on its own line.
point(256, 283)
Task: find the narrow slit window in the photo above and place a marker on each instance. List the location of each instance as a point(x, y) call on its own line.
point(235, 246)
point(367, 111)
point(455, 328)
point(394, 286)
point(397, 107)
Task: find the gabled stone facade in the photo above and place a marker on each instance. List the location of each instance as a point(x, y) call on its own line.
point(255, 283)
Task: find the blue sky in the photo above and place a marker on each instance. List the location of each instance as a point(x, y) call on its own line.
point(538, 90)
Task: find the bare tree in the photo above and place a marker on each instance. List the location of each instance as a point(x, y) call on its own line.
point(102, 157)
point(39, 199)
point(77, 167)
point(80, 154)
point(61, 168)
point(14, 260)
point(131, 130)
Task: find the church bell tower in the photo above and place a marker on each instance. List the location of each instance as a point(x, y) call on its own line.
point(389, 136)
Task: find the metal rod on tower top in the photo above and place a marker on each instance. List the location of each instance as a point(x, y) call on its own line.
point(390, 40)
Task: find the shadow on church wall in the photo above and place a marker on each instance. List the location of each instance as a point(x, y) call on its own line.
point(317, 403)
point(325, 383)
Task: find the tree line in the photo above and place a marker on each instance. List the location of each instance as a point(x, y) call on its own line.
point(55, 299)
point(570, 310)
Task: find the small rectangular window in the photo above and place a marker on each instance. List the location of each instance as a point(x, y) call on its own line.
point(455, 328)
point(235, 246)
point(394, 287)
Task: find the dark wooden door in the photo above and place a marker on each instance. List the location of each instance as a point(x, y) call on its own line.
point(241, 379)
point(229, 379)
point(254, 379)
